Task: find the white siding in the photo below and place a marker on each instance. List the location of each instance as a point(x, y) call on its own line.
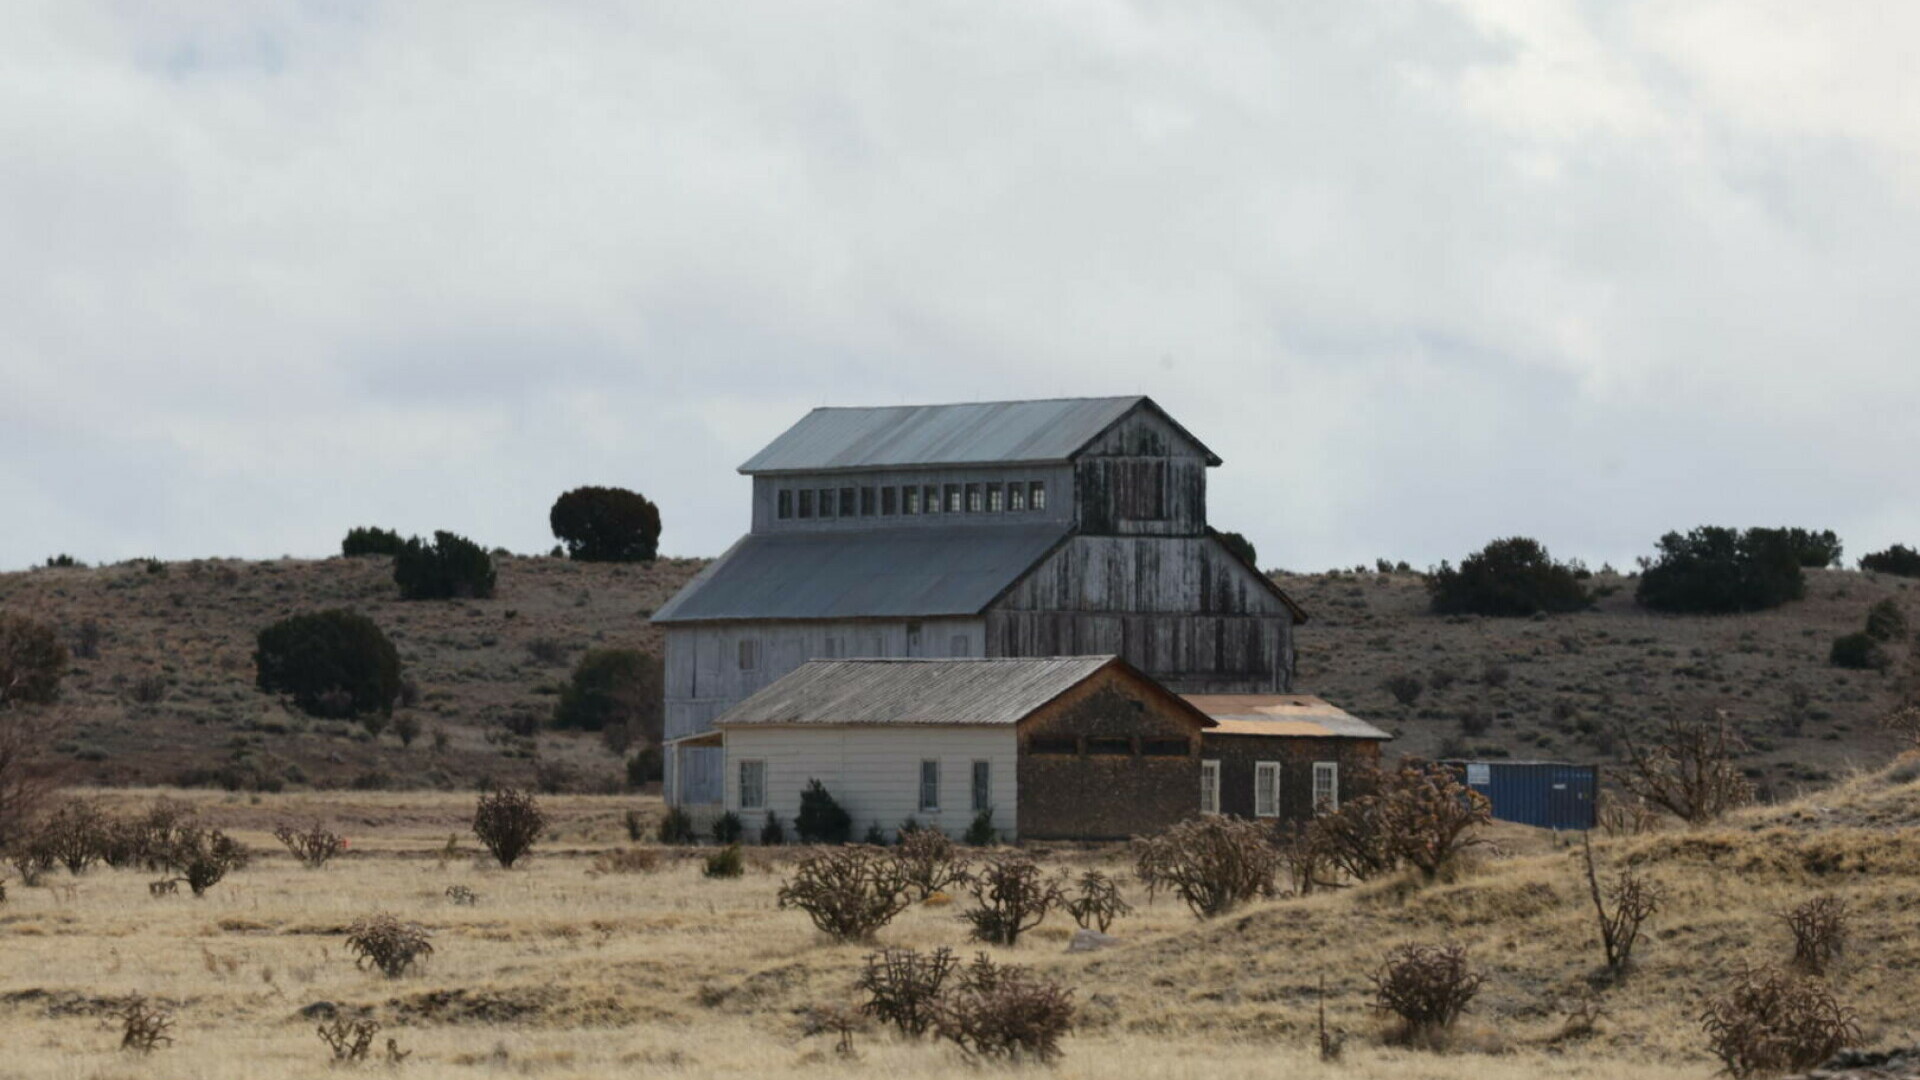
point(875, 772)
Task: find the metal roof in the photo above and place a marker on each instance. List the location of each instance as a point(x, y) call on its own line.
point(946, 692)
point(972, 433)
point(882, 573)
point(1299, 715)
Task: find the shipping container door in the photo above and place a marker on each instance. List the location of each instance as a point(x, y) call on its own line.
point(1570, 798)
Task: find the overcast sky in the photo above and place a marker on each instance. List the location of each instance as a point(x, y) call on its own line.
point(1423, 273)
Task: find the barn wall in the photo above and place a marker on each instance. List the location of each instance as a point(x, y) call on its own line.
point(1238, 754)
point(1141, 478)
point(1183, 610)
point(1085, 796)
point(1058, 479)
point(874, 772)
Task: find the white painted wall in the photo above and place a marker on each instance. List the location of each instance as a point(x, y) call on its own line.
point(874, 772)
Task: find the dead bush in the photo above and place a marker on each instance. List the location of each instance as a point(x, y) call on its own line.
point(384, 942)
point(1819, 928)
point(1434, 816)
point(147, 840)
point(850, 892)
point(903, 987)
point(1213, 863)
point(73, 834)
point(638, 860)
point(1357, 840)
point(1096, 902)
point(1012, 895)
point(349, 1039)
point(508, 821)
point(1426, 987)
point(1007, 1013)
point(1774, 1021)
point(1690, 772)
point(203, 857)
point(313, 846)
point(462, 896)
point(1304, 859)
point(28, 776)
point(838, 1020)
point(1630, 901)
point(144, 1026)
point(930, 860)
point(1626, 817)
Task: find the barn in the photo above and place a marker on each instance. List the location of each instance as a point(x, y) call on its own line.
point(985, 530)
point(1080, 748)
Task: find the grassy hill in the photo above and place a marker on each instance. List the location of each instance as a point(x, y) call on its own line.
point(169, 695)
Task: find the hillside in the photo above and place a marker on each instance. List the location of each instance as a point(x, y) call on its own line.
point(169, 697)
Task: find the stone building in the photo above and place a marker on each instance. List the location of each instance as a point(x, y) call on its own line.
point(1016, 529)
point(1284, 756)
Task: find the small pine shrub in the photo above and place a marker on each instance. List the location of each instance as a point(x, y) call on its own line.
point(452, 566)
point(1404, 687)
point(1858, 652)
point(725, 863)
point(1885, 621)
point(980, 831)
point(508, 822)
point(676, 827)
point(822, 820)
point(384, 943)
point(727, 829)
point(333, 663)
point(875, 836)
point(614, 688)
point(772, 833)
point(371, 540)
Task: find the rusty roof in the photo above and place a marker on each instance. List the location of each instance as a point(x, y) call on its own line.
point(1297, 715)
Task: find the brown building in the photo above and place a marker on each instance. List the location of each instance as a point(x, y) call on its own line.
point(1280, 755)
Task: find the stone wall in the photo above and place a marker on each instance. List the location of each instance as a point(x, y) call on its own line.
point(1238, 754)
point(1098, 792)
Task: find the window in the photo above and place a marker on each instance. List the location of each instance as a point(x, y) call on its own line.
point(848, 508)
point(1165, 748)
point(953, 498)
point(982, 786)
point(1210, 787)
point(1326, 787)
point(753, 785)
point(1016, 497)
point(749, 655)
point(786, 505)
point(996, 498)
point(1052, 746)
point(826, 502)
point(930, 499)
point(913, 639)
point(1266, 789)
point(929, 787)
point(1037, 495)
point(910, 499)
point(1110, 747)
point(835, 646)
point(958, 645)
point(806, 503)
point(974, 496)
point(867, 505)
point(889, 501)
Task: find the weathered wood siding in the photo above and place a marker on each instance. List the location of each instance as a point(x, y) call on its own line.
point(1141, 478)
point(874, 772)
point(1181, 609)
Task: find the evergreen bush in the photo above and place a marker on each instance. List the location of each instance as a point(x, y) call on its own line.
point(821, 819)
point(602, 524)
point(371, 540)
point(1718, 570)
point(451, 566)
point(333, 663)
point(1512, 577)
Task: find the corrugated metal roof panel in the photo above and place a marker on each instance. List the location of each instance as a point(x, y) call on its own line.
point(1282, 714)
point(972, 433)
point(884, 573)
point(945, 692)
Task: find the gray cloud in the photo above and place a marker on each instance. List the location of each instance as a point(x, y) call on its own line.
point(1424, 274)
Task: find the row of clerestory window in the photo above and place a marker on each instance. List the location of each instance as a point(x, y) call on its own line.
point(1012, 497)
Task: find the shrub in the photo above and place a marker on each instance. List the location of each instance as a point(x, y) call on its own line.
point(1899, 560)
point(903, 987)
point(350, 1040)
point(148, 689)
point(874, 835)
point(676, 827)
point(371, 540)
point(203, 857)
point(614, 687)
point(314, 846)
point(848, 893)
point(1718, 570)
point(333, 663)
point(1512, 577)
point(74, 835)
point(1628, 903)
point(1772, 1021)
point(980, 831)
point(725, 863)
point(144, 1026)
point(602, 524)
point(386, 944)
point(1858, 652)
point(1426, 987)
point(930, 861)
point(1213, 863)
point(1404, 687)
point(1241, 547)
point(406, 727)
point(1096, 902)
point(32, 661)
point(508, 822)
point(1885, 621)
point(1432, 816)
point(1011, 896)
point(1815, 550)
point(1819, 928)
point(727, 828)
point(1006, 1012)
point(821, 820)
point(627, 861)
point(451, 566)
point(1690, 772)
point(772, 833)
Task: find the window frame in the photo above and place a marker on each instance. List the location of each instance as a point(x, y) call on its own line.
point(1036, 494)
point(929, 788)
point(1016, 498)
point(869, 501)
point(980, 788)
point(910, 500)
point(930, 499)
point(740, 780)
point(1330, 770)
point(783, 504)
point(1210, 786)
point(950, 499)
point(748, 654)
point(806, 503)
point(976, 498)
point(829, 500)
point(889, 501)
point(1266, 781)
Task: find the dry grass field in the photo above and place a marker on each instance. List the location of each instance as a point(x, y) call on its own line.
point(561, 971)
point(169, 697)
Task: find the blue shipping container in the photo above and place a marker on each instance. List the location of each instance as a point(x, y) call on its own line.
point(1547, 794)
